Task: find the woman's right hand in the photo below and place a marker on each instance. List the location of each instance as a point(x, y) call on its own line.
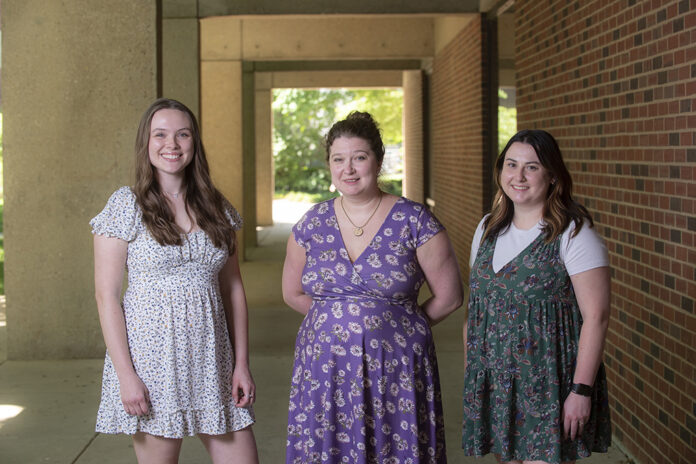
point(134, 396)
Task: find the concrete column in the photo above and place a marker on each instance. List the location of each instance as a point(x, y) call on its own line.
point(76, 78)
point(414, 175)
point(180, 71)
point(221, 128)
point(265, 177)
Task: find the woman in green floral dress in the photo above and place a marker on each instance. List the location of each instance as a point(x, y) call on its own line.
point(535, 387)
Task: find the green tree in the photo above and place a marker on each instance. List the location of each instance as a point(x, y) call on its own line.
point(507, 122)
point(301, 119)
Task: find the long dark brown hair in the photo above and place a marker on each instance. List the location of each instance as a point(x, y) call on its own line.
point(560, 207)
point(204, 203)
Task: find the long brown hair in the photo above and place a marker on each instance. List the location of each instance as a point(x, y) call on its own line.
point(560, 207)
point(201, 198)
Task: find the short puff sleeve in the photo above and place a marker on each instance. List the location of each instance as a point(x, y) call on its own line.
point(310, 223)
point(233, 215)
point(427, 225)
point(120, 217)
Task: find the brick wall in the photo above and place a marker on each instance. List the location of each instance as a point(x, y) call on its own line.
point(457, 137)
point(615, 82)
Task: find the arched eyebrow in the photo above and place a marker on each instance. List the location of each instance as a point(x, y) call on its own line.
point(528, 162)
point(178, 130)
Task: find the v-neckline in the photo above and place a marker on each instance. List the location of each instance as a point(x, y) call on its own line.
point(517, 256)
point(372, 239)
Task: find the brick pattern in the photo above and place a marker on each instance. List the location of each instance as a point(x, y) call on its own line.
point(458, 136)
point(615, 82)
point(414, 174)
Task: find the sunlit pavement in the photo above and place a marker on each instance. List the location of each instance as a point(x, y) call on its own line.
point(48, 408)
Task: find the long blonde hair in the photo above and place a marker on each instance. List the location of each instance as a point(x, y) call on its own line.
point(202, 198)
point(560, 207)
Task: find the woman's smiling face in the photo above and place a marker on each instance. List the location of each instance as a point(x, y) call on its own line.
point(171, 146)
point(523, 179)
point(354, 168)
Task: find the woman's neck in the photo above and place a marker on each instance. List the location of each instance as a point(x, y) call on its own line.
point(364, 200)
point(173, 185)
point(526, 219)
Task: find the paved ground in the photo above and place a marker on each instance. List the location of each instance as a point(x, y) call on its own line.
point(47, 408)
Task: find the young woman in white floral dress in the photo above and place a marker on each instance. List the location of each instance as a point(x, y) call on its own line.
point(177, 353)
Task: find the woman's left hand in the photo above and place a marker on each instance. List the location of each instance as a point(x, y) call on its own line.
point(243, 387)
point(576, 413)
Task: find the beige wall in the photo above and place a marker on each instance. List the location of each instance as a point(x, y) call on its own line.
point(221, 127)
point(76, 77)
point(265, 185)
point(180, 61)
point(413, 187)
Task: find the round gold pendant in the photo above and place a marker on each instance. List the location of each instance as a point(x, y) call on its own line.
point(358, 231)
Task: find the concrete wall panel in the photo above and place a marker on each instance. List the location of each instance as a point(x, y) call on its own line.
point(265, 184)
point(76, 78)
point(322, 37)
point(319, 79)
point(180, 70)
point(221, 126)
point(221, 38)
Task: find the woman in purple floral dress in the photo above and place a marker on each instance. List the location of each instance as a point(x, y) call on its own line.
point(365, 385)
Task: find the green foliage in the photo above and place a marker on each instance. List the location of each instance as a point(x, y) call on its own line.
point(301, 119)
point(392, 184)
point(507, 122)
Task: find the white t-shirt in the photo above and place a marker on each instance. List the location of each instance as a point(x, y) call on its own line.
point(581, 253)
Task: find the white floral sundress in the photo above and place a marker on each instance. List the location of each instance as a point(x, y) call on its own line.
point(177, 331)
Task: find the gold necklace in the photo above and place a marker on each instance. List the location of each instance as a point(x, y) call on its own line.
point(358, 230)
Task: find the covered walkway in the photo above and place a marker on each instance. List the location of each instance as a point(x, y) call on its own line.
point(59, 399)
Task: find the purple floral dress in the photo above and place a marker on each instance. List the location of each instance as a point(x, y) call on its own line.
point(365, 385)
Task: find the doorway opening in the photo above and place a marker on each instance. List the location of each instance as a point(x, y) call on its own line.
point(301, 119)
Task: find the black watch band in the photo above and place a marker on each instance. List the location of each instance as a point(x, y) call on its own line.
point(581, 389)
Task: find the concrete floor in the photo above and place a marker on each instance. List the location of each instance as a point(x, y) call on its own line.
point(59, 399)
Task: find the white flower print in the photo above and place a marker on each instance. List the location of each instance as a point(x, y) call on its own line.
point(398, 275)
point(374, 260)
point(394, 389)
point(337, 310)
point(398, 216)
point(355, 327)
point(309, 277)
point(338, 350)
point(340, 269)
point(391, 260)
point(400, 340)
point(353, 309)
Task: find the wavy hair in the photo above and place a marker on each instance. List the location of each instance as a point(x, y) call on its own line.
point(560, 207)
point(202, 199)
point(357, 124)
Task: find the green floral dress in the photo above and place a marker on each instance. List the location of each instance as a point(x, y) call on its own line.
point(523, 330)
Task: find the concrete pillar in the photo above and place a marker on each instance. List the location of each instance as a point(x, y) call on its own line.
point(414, 175)
point(265, 185)
point(76, 78)
point(180, 71)
point(221, 128)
